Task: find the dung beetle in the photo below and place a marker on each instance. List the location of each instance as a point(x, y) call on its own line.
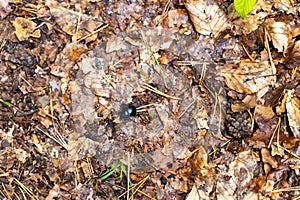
point(128, 110)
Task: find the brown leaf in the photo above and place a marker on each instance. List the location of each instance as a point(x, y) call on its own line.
point(267, 158)
point(293, 112)
point(207, 17)
point(266, 121)
point(175, 18)
point(199, 159)
point(249, 77)
point(279, 34)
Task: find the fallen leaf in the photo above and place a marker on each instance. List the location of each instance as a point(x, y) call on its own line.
point(207, 17)
point(266, 121)
point(267, 158)
point(249, 77)
point(25, 29)
point(293, 112)
point(279, 33)
point(251, 22)
point(194, 194)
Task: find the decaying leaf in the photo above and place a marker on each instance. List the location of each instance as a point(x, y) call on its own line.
point(293, 112)
point(177, 19)
point(207, 17)
point(249, 77)
point(285, 6)
point(74, 50)
point(266, 121)
point(279, 34)
point(240, 175)
point(25, 29)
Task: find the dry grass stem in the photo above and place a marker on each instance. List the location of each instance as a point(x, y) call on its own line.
point(185, 110)
point(293, 154)
point(277, 128)
point(92, 33)
point(153, 89)
point(60, 141)
point(25, 189)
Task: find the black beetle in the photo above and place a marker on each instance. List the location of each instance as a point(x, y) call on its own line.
point(127, 111)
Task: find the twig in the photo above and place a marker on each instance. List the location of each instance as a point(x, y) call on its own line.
point(269, 53)
point(6, 193)
point(295, 188)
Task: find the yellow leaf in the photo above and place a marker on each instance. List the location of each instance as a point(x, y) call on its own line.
point(25, 28)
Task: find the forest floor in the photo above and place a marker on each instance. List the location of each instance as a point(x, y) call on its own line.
point(149, 100)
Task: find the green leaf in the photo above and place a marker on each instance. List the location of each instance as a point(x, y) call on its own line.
point(243, 7)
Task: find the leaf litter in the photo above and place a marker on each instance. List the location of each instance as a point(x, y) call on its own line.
point(216, 100)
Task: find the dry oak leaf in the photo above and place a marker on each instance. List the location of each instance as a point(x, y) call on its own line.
point(279, 33)
point(25, 29)
point(207, 17)
point(293, 112)
point(249, 77)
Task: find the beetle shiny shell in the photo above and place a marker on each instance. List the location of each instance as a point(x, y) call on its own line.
point(127, 111)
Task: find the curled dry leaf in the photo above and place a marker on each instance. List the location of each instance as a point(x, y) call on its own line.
point(249, 77)
point(292, 59)
point(279, 33)
point(285, 6)
point(207, 17)
point(293, 112)
point(25, 29)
